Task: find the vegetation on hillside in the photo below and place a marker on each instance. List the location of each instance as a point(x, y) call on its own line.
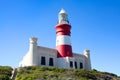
point(5, 72)
point(46, 73)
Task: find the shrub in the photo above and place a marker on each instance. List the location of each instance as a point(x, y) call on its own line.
point(4, 77)
point(84, 74)
point(5, 72)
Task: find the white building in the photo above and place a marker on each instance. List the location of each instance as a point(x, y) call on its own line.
point(62, 56)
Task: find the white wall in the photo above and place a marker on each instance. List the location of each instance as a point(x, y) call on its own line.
point(47, 53)
point(58, 62)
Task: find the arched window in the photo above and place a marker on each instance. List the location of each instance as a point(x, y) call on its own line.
point(75, 65)
point(51, 62)
point(71, 64)
point(43, 62)
point(81, 65)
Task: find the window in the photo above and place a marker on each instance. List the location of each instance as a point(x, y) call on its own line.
point(75, 65)
point(71, 64)
point(43, 62)
point(51, 62)
point(81, 65)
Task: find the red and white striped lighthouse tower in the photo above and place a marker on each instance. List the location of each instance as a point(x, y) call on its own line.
point(63, 39)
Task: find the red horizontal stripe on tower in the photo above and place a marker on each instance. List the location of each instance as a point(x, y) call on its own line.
point(64, 51)
point(63, 29)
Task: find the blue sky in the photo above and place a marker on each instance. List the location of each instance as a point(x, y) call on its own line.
point(95, 26)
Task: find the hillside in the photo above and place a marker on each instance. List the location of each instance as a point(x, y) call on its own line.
point(46, 73)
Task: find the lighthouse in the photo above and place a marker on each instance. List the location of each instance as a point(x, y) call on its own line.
point(62, 56)
point(63, 39)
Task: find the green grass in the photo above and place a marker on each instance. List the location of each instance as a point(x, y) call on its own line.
point(52, 73)
point(46, 73)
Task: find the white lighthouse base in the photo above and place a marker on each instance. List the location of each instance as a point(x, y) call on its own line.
point(63, 62)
